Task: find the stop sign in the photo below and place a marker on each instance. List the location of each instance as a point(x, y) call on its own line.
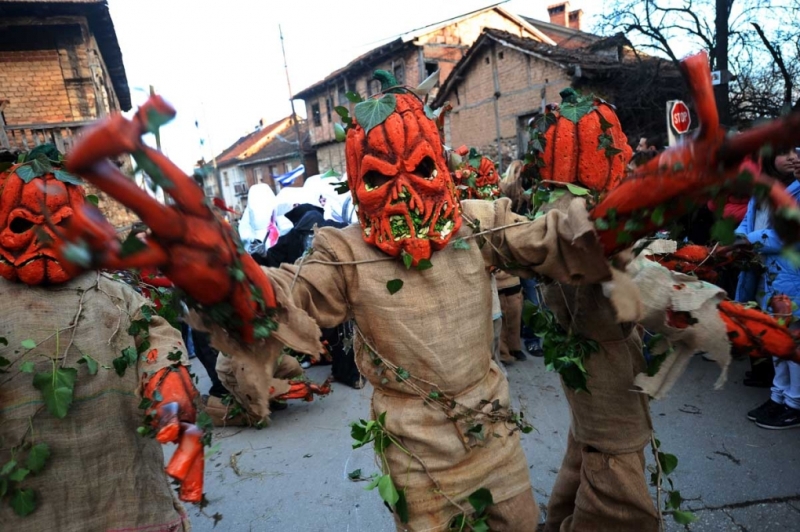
point(680, 117)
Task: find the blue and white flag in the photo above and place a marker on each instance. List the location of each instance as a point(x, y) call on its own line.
point(289, 177)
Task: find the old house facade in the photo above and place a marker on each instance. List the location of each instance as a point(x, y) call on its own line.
point(60, 70)
point(505, 80)
point(259, 157)
point(411, 58)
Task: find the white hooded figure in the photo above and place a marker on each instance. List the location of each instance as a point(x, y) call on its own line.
point(258, 220)
point(338, 207)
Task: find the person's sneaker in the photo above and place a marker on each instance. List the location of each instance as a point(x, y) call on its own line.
point(788, 418)
point(768, 409)
point(534, 349)
point(519, 355)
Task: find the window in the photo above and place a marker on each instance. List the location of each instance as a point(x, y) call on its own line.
point(343, 96)
point(289, 167)
point(500, 55)
point(431, 67)
point(315, 116)
point(373, 87)
point(329, 108)
point(273, 170)
point(225, 177)
point(400, 74)
point(259, 174)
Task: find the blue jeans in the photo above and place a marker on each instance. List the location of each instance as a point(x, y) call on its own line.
point(786, 384)
point(530, 293)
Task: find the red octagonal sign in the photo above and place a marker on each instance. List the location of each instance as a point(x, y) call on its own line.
point(680, 117)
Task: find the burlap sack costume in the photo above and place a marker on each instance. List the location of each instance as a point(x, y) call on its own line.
point(438, 328)
point(601, 483)
point(101, 474)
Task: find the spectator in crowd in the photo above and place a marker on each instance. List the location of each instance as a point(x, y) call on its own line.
point(781, 277)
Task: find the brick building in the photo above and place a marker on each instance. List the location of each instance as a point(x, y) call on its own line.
point(60, 70)
point(411, 58)
point(505, 80)
point(564, 27)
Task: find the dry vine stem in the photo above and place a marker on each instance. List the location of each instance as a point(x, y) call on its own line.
point(659, 474)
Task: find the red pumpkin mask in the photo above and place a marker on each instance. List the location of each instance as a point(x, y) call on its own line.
point(400, 182)
point(24, 257)
point(476, 177)
point(579, 142)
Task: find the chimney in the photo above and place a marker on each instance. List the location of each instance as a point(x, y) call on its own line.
point(575, 19)
point(558, 13)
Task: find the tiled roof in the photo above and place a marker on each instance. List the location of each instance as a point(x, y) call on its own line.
point(368, 59)
point(251, 143)
point(589, 60)
point(281, 145)
point(563, 35)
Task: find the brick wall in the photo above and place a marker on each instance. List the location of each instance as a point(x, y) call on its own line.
point(331, 156)
point(489, 116)
point(33, 84)
point(45, 74)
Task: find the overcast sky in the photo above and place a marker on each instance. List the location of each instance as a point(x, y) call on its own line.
point(219, 62)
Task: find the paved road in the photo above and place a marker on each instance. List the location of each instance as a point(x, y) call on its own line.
point(292, 476)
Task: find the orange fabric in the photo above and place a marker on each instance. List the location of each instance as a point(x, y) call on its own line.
point(756, 333)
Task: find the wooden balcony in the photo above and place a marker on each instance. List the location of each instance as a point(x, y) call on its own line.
point(27, 136)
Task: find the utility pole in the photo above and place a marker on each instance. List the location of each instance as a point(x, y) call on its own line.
point(723, 13)
point(291, 101)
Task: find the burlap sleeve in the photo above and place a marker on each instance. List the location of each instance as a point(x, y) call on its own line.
point(561, 244)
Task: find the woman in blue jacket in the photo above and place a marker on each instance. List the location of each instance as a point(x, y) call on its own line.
point(782, 410)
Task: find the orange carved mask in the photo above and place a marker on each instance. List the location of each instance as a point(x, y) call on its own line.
point(400, 182)
point(25, 254)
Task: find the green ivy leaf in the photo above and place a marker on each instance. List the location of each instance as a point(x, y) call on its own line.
point(8, 467)
point(330, 173)
point(353, 97)
point(57, 389)
point(575, 111)
point(26, 367)
point(668, 462)
point(373, 484)
point(604, 124)
point(460, 243)
point(28, 344)
point(131, 246)
point(374, 112)
point(66, 177)
point(601, 224)
point(18, 475)
point(37, 457)
point(658, 215)
point(26, 173)
point(480, 500)
point(23, 501)
point(94, 200)
point(576, 190)
point(407, 259)
point(339, 133)
point(424, 264)
point(394, 286)
point(401, 507)
point(342, 188)
point(91, 364)
point(723, 231)
point(674, 499)
point(683, 518)
point(387, 490)
point(354, 475)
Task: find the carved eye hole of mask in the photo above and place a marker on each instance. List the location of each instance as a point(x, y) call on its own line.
point(374, 179)
point(425, 168)
point(20, 225)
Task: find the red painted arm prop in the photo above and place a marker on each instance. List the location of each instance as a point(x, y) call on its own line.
point(189, 244)
point(174, 414)
point(692, 172)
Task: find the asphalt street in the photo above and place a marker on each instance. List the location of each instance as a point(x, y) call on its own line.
point(292, 476)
